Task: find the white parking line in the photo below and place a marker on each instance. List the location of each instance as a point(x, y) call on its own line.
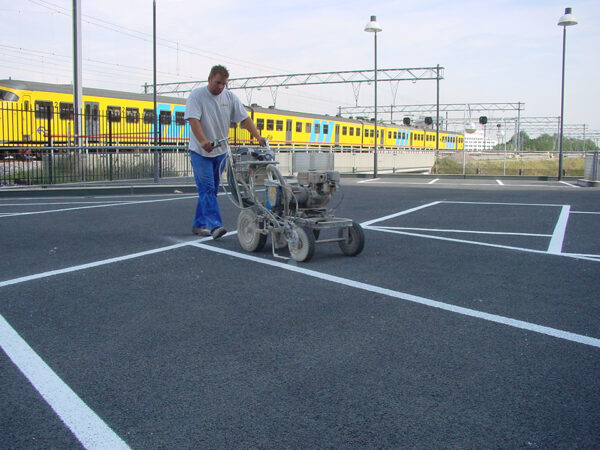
point(84, 423)
point(500, 182)
point(51, 273)
point(434, 181)
point(104, 205)
point(401, 213)
point(558, 235)
point(569, 184)
point(561, 334)
point(439, 230)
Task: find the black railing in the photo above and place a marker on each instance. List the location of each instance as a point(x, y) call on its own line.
point(24, 131)
point(49, 126)
point(70, 165)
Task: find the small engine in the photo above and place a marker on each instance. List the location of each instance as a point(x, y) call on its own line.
point(312, 190)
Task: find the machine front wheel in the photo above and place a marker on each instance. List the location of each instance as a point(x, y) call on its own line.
point(304, 246)
point(248, 227)
point(354, 243)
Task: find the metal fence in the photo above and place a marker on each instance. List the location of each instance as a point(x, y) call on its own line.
point(68, 165)
point(23, 130)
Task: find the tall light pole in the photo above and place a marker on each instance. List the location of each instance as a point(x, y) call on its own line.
point(565, 21)
point(374, 27)
point(500, 135)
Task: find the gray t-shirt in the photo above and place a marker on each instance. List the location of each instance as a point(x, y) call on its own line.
point(215, 113)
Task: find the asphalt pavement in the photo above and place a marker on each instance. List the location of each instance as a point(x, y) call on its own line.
point(470, 320)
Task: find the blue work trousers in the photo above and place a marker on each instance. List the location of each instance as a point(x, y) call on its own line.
point(207, 173)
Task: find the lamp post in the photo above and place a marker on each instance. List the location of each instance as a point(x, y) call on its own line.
point(500, 135)
point(374, 27)
point(565, 21)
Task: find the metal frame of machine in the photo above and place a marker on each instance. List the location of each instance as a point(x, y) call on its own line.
point(293, 211)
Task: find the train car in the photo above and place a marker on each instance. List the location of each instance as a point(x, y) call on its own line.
point(287, 128)
point(42, 114)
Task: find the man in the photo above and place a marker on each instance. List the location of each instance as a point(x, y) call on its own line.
point(210, 110)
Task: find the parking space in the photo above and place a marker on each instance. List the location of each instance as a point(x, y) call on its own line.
point(471, 308)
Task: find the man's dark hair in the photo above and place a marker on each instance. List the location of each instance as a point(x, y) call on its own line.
point(221, 70)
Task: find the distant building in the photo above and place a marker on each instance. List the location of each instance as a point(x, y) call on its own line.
point(476, 142)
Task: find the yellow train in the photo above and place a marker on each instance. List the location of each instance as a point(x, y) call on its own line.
point(41, 114)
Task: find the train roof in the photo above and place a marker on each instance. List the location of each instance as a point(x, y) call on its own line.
point(68, 89)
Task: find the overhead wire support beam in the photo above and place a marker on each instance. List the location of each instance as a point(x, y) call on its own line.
point(430, 108)
point(303, 79)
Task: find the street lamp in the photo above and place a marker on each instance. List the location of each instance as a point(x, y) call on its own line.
point(565, 21)
point(500, 135)
point(374, 27)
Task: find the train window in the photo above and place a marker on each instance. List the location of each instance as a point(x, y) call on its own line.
point(317, 128)
point(165, 117)
point(326, 128)
point(389, 134)
point(358, 131)
point(66, 110)
point(179, 117)
point(113, 113)
point(351, 131)
point(132, 115)
point(308, 128)
point(298, 127)
point(279, 125)
point(148, 116)
point(43, 110)
point(8, 96)
point(260, 124)
point(344, 131)
point(270, 124)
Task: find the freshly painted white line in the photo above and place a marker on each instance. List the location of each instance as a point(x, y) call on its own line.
point(500, 182)
point(584, 212)
point(433, 181)
point(401, 213)
point(369, 180)
point(558, 236)
point(502, 233)
point(105, 205)
point(569, 184)
point(483, 244)
point(65, 203)
point(90, 265)
point(499, 203)
point(450, 183)
point(594, 342)
point(83, 422)
point(583, 254)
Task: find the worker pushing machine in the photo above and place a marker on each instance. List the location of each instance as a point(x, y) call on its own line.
point(210, 110)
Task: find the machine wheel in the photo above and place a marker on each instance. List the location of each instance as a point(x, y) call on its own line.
point(304, 247)
point(355, 242)
point(247, 227)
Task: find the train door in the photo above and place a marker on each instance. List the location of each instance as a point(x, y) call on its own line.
point(288, 131)
point(26, 118)
point(92, 121)
point(337, 133)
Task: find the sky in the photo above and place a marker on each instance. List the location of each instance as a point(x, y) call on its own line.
point(494, 51)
